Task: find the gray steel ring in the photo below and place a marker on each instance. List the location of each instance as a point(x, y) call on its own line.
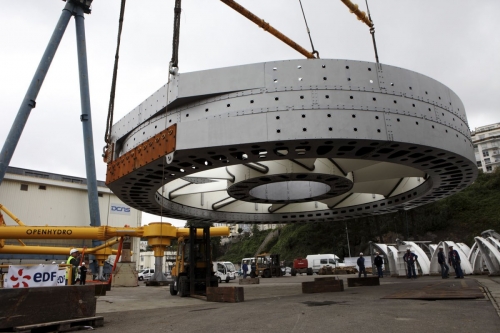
point(395, 132)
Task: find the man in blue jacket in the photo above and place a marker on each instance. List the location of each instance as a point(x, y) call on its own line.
point(442, 263)
point(361, 265)
point(454, 260)
point(378, 261)
point(410, 258)
point(244, 268)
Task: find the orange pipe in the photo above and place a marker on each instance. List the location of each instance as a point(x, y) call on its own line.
point(360, 14)
point(267, 27)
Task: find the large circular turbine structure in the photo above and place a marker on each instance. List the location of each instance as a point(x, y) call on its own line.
point(288, 141)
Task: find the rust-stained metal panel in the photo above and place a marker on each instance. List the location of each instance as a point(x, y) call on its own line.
point(155, 148)
point(449, 289)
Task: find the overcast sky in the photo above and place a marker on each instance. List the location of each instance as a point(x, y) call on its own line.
point(453, 41)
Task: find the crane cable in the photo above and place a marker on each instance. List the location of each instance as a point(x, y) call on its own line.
point(308, 31)
point(109, 121)
point(372, 32)
point(174, 62)
point(173, 69)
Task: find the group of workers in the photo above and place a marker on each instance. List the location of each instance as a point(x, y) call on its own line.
point(75, 268)
point(411, 258)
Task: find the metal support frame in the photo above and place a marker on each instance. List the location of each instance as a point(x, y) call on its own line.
point(192, 262)
point(29, 101)
point(86, 119)
point(208, 255)
point(77, 9)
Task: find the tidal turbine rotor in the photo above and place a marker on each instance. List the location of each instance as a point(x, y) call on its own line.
point(288, 141)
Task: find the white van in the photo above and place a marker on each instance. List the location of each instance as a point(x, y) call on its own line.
point(224, 270)
point(316, 261)
point(146, 274)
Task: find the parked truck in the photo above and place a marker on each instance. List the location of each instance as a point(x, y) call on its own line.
point(300, 266)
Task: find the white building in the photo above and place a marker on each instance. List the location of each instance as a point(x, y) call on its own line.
point(486, 141)
point(40, 198)
point(147, 260)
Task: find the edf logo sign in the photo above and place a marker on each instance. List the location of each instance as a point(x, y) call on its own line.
point(34, 276)
point(120, 209)
point(45, 277)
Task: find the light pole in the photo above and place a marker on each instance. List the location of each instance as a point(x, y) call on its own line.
point(347, 233)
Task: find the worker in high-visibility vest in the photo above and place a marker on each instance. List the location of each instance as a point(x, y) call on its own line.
point(71, 270)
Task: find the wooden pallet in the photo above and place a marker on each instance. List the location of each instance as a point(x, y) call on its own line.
point(62, 325)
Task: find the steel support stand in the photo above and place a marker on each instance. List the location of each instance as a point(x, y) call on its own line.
point(192, 262)
point(208, 256)
point(29, 101)
point(158, 275)
point(86, 119)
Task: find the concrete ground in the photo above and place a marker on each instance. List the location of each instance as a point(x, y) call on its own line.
point(278, 305)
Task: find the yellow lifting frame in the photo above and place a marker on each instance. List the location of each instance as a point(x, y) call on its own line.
point(267, 27)
point(159, 236)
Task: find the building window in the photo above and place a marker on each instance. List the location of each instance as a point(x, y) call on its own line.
point(479, 164)
point(486, 153)
point(481, 136)
point(42, 187)
point(488, 168)
point(99, 195)
point(142, 258)
point(24, 187)
point(487, 160)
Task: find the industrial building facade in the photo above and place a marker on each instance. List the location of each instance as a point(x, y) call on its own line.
point(486, 141)
point(40, 198)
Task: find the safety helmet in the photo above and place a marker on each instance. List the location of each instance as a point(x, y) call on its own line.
point(83, 264)
point(408, 248)
point(73, 251)
point(361, 254)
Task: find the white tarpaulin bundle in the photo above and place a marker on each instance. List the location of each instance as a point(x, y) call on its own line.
point(33, 276)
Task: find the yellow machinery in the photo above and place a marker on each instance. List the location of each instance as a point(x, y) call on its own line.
point(266, 265)
point(159, 236)
point(193, 270)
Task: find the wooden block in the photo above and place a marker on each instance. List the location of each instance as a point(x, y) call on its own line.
point(225, 294)
point(63, 324)
point(250, 281)
point(363, 282)
point(26, 306)
point(322, 287)
point(328, 278)
point(101, 288)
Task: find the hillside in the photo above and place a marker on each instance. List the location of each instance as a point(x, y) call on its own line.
point(460, 218)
